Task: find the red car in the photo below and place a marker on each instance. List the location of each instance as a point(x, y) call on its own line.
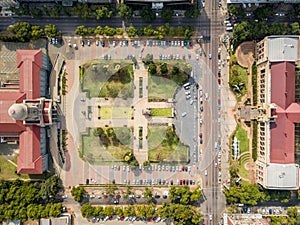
point(180, 182)
point(182, 168)
point(219, 81)
point(200, 135)
point(187, 182)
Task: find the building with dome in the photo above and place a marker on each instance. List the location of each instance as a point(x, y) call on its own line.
point(25, 112)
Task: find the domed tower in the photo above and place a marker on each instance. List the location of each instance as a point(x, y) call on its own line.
point(18, 111)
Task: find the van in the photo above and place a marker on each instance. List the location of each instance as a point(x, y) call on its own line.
point(187, 86)
point(229, 29)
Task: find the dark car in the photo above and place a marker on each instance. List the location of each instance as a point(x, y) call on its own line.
point(183, 181)
point(171, 182)
point(87, 181)
point(102, 43)
point(191, 182)
point(201, 141)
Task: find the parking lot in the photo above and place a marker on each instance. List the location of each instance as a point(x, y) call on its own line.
point(187, 126)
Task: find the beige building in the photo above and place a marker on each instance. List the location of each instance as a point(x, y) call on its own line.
point(278, 113)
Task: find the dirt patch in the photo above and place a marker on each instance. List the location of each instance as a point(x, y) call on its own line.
point(244, 54)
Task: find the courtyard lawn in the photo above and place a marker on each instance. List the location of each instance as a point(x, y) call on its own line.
point(107, 78)
point(242, 136)
point(163, 86)
point(106, 144)
point(111, 112)
point(161, 112)
point(164, 145)
point(239, 76)
point(243, 172)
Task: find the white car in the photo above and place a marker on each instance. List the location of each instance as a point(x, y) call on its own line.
point(210, 217)
point(209, 56)
point(205, 172)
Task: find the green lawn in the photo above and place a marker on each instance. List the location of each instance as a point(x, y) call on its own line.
point(164, 145)
point(111, 112)
point(239, 76)
point(162, 112)
point(242, 170)
point(108, 78)
point(163, 86)
point(242, 136)
point(109, 147)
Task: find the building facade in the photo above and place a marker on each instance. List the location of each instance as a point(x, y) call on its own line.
point(278, 113)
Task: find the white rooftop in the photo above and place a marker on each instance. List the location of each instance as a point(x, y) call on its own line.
point(282, 48)
point(282, 176)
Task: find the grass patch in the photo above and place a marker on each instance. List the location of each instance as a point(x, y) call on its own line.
point(106, 144)
point(110, 112)
point(238, 79)
point(242, 136)
point(163, 112)
point(103, 78)
point(164, 145)
point(163, 85)
point(242, 170)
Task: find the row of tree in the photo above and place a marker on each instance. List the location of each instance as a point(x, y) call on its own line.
point(28, 200)
point(293, 217)
point(158, 32)
point(86, 11)
point(251, 30)
point(180, 214)
point(23, 32)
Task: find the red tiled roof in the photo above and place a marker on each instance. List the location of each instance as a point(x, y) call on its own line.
point(288, 112)
point(29, 63)
point(9, 125)
point(30, 160)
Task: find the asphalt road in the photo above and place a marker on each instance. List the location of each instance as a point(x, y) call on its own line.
point(211, 27)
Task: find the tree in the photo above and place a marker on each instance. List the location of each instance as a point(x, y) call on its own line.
point(98, 30)
point(108, 211)
point(147, 13)
point(160, 32)
point(232, 10)
point(131, 31)
point(109, 31)
point(262, 12)
point(21, 30)
point(191, 12)
point(124, 11)
point(118, 211)
point(81, 30)
point(188, 32)
point(148, 59)
point(36, 32)
point(128, 211)
point(295, 28)
point(119, 31)
point(152, 69)
point(148, 31)
point(33, 211)
point(87, 210)
point(49, 187)
point(51, 31)
point(167, 13)
point(164, 68)
point(180, 31)
point(55, 210)
point(292, 211)
point(36, 12)
point(148, 196)
point(78, 193)
point(103, 12)
point(175, 70)
point(99, 211)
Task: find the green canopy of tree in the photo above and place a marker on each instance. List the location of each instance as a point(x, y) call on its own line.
point(184, 195)
point(51, 31)
point(22, 31)
point(147, 13)
point(148, 59)
point(49, 187)
point(78, 193)
point(131, 31)
point(192, 12)
point(245, 193)
point(103, 12)
point(124, 11)
point(36, 32)
point(167, 13)
point(87, 210)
